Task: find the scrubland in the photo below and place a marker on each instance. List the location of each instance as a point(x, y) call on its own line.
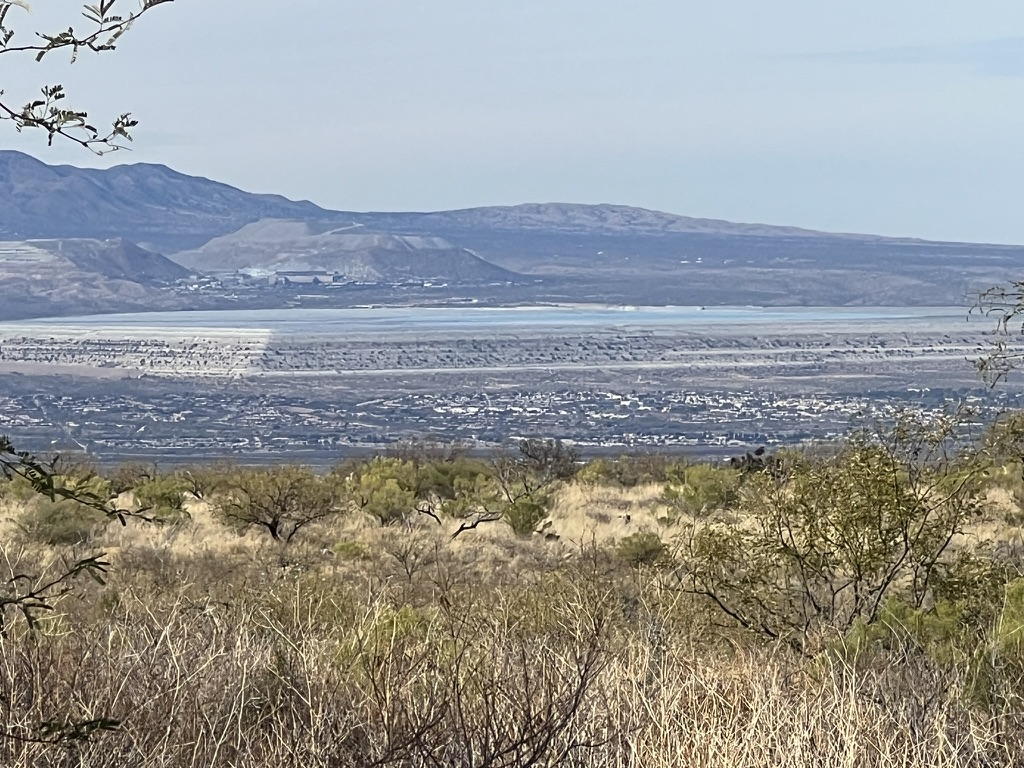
point(858, 604)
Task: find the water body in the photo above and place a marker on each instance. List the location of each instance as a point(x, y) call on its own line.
point(426, 319)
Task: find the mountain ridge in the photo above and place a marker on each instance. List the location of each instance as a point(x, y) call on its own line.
point(592, 218)
point(169, 211)
point(147, 203)
point(527, 253)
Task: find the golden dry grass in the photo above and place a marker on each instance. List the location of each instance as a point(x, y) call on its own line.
point(360, 645)
point(606, 513)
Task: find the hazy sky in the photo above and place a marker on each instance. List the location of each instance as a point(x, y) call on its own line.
point(902, 118)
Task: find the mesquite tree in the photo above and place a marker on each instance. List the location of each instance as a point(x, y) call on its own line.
point(280, 500)
point(829, 540)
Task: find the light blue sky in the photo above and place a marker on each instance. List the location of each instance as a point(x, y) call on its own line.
point(903, 118)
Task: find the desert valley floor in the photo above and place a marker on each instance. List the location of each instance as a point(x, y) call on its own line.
point(321, 384)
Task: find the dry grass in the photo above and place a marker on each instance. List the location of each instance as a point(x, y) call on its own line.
point(361, 645)
point(606, 514)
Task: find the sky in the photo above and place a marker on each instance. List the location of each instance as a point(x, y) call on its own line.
point(897, 118)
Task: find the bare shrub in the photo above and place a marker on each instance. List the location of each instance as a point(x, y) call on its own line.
point(282, 500)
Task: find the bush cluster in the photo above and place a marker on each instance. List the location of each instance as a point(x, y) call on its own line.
point(629, 471)
point(853, 568)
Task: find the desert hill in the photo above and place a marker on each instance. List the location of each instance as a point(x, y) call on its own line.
point(352, 252)
point(80, 275)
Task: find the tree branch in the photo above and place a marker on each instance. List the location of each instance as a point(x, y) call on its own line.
point(48, 113)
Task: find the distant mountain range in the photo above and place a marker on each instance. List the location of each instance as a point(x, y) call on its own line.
point(148, 204)
point(514, 254)
point(570, 218)
point(170, 211)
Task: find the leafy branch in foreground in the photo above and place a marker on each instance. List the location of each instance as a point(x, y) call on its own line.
point(106, 23)
point(45, 479)
point(57, 732)
point(32, 595)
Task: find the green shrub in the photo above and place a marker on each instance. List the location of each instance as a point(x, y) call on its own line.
point(126, 477)
point(830, 543)
point(523, 483)
point(595, 472)
point(1009, 630)
point(984, 649)
point(16, 489)
point(283, 500)
point(942, 632)
point(445, 479)
point(628, 471)
point(207, 480)
point(61, 523)
point(163, 497)
point(1004, 439)
point(643, 548)
point(350, 550)
point(701, 488)
point(384, 487)
point(525, 514)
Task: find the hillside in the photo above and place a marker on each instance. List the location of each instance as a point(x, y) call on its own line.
point(639, 611)
point(572, 218)
point(144, 203)
point(80, 275)
point(171, 211)
point(272, 245)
